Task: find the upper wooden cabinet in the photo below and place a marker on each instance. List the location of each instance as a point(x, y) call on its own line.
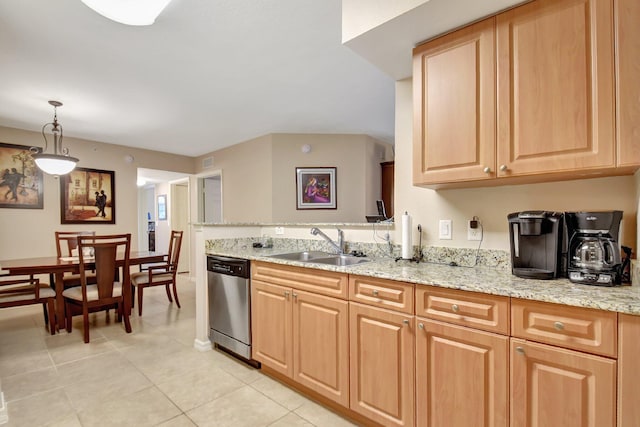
point(555, 87)
point(454, 106)
point(529, 96)
point(627, 17)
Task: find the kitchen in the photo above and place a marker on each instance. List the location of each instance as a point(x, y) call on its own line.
point(427, 207)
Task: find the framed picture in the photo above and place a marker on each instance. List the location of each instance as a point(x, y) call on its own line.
point(88, 196)
point(162, 207)
point(316, 188)
point(21, 182)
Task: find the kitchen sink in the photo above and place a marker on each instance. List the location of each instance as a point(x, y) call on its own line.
point(302, 256)
point(340, 260)
point(321, 258)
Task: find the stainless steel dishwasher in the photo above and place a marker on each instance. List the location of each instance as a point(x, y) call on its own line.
point(230, 304)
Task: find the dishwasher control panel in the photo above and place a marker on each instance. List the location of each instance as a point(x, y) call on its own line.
point(228, 266)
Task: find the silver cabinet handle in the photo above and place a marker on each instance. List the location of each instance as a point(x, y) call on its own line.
point(487, 169)
point(503, 168)
point(295, 296)
point(286, 294)
point(405, 321)
point(520, 350)
point(558, 325)
point(420, 325)
point(375, 292)
point(455, 308)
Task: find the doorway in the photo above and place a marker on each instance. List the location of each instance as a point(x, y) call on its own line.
point(180, 220)
point(210, 198)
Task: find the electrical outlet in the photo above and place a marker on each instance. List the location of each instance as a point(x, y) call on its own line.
point(279, 230)
point(444, 229)
point(474, 233)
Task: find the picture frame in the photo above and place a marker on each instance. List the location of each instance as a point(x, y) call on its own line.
point(88, 196)
point(316, 188)
point(21, 181)
point(162, 207)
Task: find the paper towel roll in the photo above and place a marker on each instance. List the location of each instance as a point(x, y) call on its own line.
point(407, 247)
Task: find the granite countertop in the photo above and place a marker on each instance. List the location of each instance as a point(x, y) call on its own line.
point(623, 299)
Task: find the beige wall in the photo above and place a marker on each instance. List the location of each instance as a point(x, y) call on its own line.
point(493, 204)
point(29, 232)
point(259, 185)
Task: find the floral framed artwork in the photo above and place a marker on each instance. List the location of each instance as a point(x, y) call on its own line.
point(88, 196)
point(316, 188)
point(21, 181)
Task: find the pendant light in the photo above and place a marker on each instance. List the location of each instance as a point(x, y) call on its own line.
point(129, 12)
point(58, 163)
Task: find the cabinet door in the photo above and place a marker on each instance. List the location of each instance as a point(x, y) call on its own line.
point(551, 386)
point(555, 87)
point(321, 345)
point(271, 326)
point(627, 16)
point(461, 376)
point(454, 106)
point(629, 371)
point(382, 365)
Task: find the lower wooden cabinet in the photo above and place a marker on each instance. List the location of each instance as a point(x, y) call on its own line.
point(382, 365)
point(552, 386)
point(304, 336)
point(462, 376)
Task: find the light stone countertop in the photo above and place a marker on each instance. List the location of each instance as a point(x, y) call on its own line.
point(623, 299)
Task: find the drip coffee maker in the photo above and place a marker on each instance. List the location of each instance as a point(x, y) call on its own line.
point(593, 247)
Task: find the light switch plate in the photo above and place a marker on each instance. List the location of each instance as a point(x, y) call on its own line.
point(444, 230)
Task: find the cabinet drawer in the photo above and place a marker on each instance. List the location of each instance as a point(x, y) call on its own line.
point(472, 309)
point(583, 329)
point(382, 293)
point(307, 279)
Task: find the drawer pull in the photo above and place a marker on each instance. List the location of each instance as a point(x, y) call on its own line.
point(486, 169)
point(455, 308)
point(405, 321)
point(504, 168)
point(420, 325)
point(295, 296)
point(286, 294)
point(559, 326)
point(375, 292)
point(520, 350)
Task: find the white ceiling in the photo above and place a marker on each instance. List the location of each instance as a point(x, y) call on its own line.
point(207, 74)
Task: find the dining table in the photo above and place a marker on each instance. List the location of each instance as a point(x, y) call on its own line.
point(57, 267)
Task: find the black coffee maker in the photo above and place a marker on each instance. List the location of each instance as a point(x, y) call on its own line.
point(593, 247)
point(536, 244)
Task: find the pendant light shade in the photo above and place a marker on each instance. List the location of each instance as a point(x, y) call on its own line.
point(58, 163)
point(129, 12)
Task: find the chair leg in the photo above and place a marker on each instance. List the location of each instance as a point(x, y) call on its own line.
point(67, 310)
point(52, 316)
point(166, 288)
point(175, 294)
point(85, 320)
point(140, 288)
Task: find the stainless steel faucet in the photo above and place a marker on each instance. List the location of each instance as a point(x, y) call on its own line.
point(339, 247)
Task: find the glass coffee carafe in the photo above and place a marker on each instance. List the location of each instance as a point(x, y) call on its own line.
point(594, 253)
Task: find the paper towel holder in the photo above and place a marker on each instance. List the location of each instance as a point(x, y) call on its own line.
point(418, 258)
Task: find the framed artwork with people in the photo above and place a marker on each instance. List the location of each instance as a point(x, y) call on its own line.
point(88, 196)
point(21, 181)
point(316, 188)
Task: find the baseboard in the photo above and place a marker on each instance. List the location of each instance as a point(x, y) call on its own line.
point(4, 414)
point(202, 345)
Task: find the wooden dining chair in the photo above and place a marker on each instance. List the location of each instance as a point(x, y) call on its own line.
point(161, 274)
point(108, 291)
point(67, 246)
point(17, 291)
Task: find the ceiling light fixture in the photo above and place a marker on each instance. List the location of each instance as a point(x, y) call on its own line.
point(58, 163)
point(129, 12)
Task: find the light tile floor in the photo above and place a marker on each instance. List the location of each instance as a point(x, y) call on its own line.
point(151, 377)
